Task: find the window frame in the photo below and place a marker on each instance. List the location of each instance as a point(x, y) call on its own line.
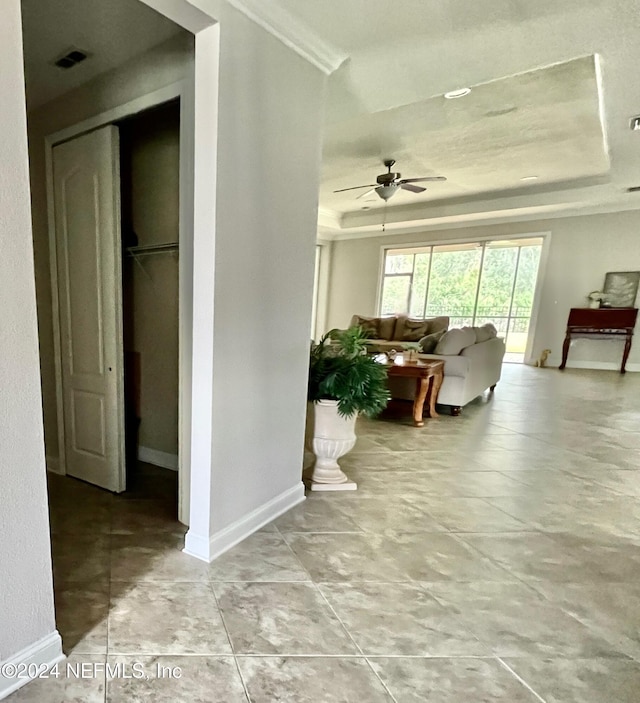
point(482, 239)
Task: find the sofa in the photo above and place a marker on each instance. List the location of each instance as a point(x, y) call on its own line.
point(472, 355)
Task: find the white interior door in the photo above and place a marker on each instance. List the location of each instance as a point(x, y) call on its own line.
point(86, 183)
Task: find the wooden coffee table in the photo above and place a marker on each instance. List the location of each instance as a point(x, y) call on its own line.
point(428, 375)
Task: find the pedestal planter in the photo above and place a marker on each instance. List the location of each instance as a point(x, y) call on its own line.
point(333, 436)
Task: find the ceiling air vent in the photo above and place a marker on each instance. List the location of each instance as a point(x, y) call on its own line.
point(71, 58)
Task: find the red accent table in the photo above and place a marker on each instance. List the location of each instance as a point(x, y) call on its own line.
point(607, 323)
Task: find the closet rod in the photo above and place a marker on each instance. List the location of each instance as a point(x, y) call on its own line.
point(152, 249)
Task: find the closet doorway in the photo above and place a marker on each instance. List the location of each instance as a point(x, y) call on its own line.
point(150, 217)
point(115, 255)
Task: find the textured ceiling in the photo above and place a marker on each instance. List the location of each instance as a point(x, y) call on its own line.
point(403, 56)
point(544, 123)
point(111, 31)
point(386, 99)
point(356, 25)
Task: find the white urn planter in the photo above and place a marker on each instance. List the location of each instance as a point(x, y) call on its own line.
point(333, 436)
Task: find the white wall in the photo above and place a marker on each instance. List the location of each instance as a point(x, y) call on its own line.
point(269, 146)
point(166, 64)
point(582, 250)
point(26, 595)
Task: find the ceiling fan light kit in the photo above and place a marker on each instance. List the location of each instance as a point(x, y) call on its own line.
point(387, 184)
point(386, 192)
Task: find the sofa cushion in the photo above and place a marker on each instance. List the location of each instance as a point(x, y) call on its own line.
point(455, 340)
point(411, 329)
point(376, 346)
point(485, 332)
point(429, 342)
point(375, 327)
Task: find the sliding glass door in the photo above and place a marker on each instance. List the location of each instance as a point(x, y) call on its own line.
point(473, 283)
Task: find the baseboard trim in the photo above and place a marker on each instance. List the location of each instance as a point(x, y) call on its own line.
point(53, 464)
point(162, 459)
point(593, 365)
point(220, 542)
point(44, 653)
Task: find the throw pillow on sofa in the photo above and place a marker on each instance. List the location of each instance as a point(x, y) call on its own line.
point(375, 327)
point(485, 333)
point(413, 330)
point(455, 340)
point(429, 343)
point(409, 329)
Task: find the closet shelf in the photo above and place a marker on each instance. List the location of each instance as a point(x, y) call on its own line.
point(150, 249)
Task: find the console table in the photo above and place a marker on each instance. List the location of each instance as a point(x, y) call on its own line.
point(601, 322)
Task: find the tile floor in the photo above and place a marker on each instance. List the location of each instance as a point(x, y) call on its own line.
point(493, 557)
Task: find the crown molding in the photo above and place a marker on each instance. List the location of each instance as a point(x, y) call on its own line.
point(329, 221)
point(292, 33)
point(481, 219)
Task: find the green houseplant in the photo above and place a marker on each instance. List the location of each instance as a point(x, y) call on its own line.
point(343, 383)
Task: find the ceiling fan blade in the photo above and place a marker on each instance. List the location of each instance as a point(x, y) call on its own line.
point(342, 190)
point(426, 178)
point(364, 195)
point(412, 188)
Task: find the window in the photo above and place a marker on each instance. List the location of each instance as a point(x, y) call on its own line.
point(473, 283)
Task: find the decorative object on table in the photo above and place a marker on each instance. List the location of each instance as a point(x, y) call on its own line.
point(343, 383)
point(596, 297)
point(541, 361)
point(605, 323)
point(411, 349)
point(621, 288)
point(392, 353)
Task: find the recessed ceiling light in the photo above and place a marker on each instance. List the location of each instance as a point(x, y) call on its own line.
point(635, 123)
point(460, 93)
point(529, 178)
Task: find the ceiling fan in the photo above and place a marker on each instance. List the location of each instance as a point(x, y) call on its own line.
point(388, 183)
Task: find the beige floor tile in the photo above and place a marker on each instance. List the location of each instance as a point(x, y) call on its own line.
point(153, 557)
point(443, 680)
point(132, 517)
point(80, 557)
point(533, 556)
point(81, 616)
point(319, 513)
point(346, 557)
point(311, 680)
point(69, 682)
point(280, 618)
point(581, 680)
point(611, 609)
point(399, 619)
point(261, 557)
point(514, 621)
point(467, 514)
point(165, 618)
point(380, 514)
point(169, 679)
point(441, 557)
point(512, 530)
